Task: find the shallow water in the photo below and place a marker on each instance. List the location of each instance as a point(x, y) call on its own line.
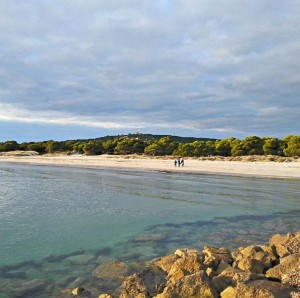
point(59, 223)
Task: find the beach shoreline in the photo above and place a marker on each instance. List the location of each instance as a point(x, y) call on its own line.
point(262, 169)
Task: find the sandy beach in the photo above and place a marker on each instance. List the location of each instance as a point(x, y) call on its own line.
point(234, 168)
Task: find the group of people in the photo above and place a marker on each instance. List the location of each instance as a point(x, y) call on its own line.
point(178, 162)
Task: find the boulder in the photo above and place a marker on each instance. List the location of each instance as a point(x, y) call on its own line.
point(286, 245)
point(292, 278)
point(133, 287)
point(250, 265)
point(254, 252)
point(189, 252)
point(165, 263)
point(286, 265)
point(232, 276)
point(112, 270)
point(105, 296)
point(213, 256)
point(228, 293)
point(262, 289)
point(195, 285)
point(184, 266)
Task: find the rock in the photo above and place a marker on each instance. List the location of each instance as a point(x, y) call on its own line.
point(286, 265)
point(165, 263)
point(188, 252)
point(262, 289)
point(286, 245)
point(222, 266)
point(195, 285)
point(77, 291)
point(293, 243)
point(133, 287)
point(105, 296)
point(228, 293)
point(26, 288)
point(250, 265)
point(232, 276)
point(112, 270)
point(292, 278)
point(184, 266)
point(83, 259)
point(213, 256)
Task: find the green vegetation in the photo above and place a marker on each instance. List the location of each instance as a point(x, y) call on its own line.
point(160, 145)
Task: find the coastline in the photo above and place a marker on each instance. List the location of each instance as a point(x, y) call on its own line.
point(262, 169)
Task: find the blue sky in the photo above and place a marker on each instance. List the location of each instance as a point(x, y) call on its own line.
point(82, 69)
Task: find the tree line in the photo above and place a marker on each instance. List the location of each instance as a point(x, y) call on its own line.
point(167, 145)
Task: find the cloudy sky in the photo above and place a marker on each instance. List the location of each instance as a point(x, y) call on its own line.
point(87, 68)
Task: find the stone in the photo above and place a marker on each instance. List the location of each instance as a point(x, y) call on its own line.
point(222, 266)
point(77, 291)
point(26, 288)
point(292, 278)
point(228, 293)
point(262, 289)
point(286, 265)
point(184, 266)
point(195, 285)
point(112, 270)
point(165, 263)
point(219, 254)
point(232, 276)
point(105, 296)
point(133, 287)
point(250, 265)
point(83, 259)
point(188, 252)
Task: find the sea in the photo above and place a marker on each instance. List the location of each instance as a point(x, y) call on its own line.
point(58, 224)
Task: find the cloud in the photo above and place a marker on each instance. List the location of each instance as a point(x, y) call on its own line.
point(197, 66)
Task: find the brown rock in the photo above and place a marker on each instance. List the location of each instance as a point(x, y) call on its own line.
point(217, 254)
point(262, 289)
point(196, 285)
point(105, 296)
point(287, 264)
point(184, 266)
point(113, 270)
point(189, 252)
point(133, 287)
point(165, 263)
point(250, 265)
point(292, 278)
point(232, 276)
point(77, 291)
point(228, 293)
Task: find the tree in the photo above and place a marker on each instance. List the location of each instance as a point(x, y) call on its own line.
point(224, 147)
point(164, 146)
point(92, 148)
point(52, 146)
point(9, 146)
point(292, 146)
point(130, 146)
point(249, 146)
point(273, 146)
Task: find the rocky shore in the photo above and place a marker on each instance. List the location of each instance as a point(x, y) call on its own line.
point(258, 271)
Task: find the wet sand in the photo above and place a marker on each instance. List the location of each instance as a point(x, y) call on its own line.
point(233, 168)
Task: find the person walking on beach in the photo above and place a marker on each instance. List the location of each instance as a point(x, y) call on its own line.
point(175, 163)
point(182, 162)
point(178, 162)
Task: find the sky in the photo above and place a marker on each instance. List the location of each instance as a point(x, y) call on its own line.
point(75, 69)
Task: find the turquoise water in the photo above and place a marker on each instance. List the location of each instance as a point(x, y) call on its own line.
point(50, 214)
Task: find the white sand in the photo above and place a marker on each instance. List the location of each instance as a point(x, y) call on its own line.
point(235, 168)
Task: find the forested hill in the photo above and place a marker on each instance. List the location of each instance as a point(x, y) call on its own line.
point(151, 137)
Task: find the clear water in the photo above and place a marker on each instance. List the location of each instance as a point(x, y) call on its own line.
point(49, 214)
